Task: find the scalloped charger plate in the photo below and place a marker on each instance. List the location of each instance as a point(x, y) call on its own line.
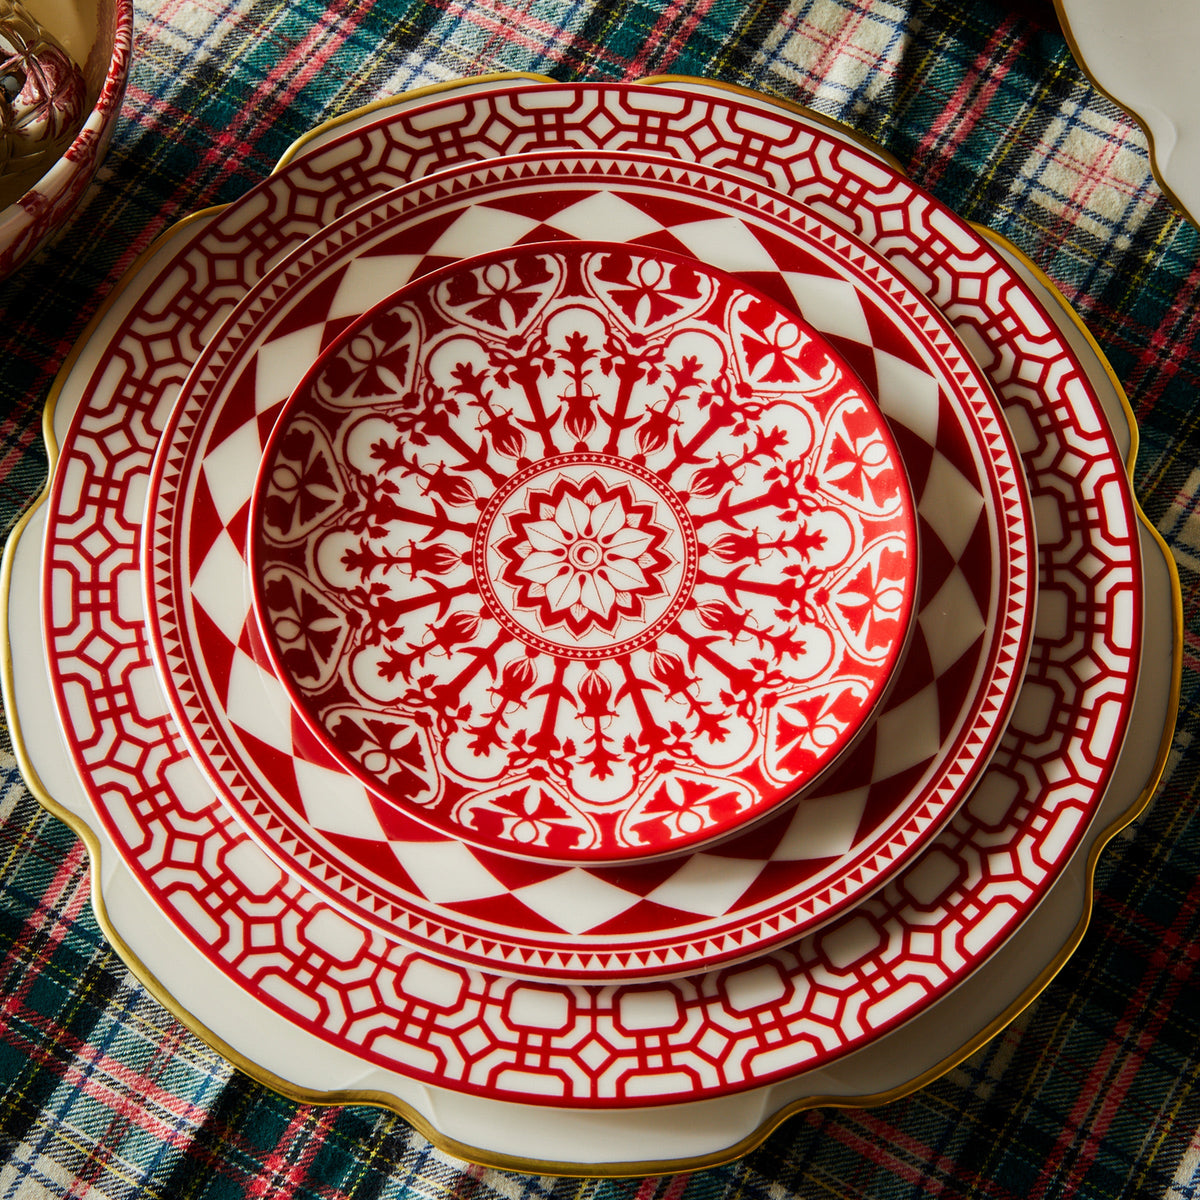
point(649, 1017)
point(634, 1141)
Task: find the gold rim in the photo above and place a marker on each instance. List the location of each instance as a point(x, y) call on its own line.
point(1155, 170)
point(392, 1103)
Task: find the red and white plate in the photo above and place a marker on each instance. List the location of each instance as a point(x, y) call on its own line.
point(340, 1007)
point(950, 703)
point(635, 1140)
point(557, 548)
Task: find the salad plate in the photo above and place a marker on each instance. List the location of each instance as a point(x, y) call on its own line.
point(765, 887)
point(479, 565)
point(712, 1033)
point(635, 1140)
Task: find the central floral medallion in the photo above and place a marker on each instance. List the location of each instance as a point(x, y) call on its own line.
point(585, 554)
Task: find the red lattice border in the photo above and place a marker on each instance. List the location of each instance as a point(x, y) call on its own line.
point(708, 1034)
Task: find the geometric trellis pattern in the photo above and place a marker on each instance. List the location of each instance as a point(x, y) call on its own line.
point(708, 1033)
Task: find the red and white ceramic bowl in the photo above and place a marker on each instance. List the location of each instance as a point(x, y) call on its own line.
point(98, 38)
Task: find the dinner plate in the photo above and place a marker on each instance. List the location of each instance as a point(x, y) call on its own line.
point(651, 921)
point(636, 1141)
point(706, 1035)
point(1141, 56)
point(480, 566)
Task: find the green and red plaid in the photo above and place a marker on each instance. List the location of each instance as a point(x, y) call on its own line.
point(1094, 1091)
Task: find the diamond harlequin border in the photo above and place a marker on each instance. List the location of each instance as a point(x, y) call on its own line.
point(576, 1045)
point(193, 480)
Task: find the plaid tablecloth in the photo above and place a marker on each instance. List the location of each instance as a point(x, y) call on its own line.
point(1093, 1091)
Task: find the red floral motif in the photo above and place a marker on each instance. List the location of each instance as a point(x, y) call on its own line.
point(779, 351)
point(873, 598)
point(308, 630)
point(458, 629)
point(680, 685)
point(516, 680)
point(580, 416)
point(858, 461)
point(642, 292)
point(596, 554)
point(584, 555)
point(368, 558)
point(392, 750)
point(805, 728)
point(677, 808)
point(528, 815)
point(495, 422)
point(374, 366)
point(502, 294)
point(303, 484)
point(661, 419)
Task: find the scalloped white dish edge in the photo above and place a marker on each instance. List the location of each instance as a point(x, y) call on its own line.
point(1142, 57)
point(609, 1141)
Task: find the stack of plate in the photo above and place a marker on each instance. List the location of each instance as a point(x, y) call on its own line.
point(595, 615)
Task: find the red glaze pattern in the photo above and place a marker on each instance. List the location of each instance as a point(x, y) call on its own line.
point(789, 874)
point(583, 552)
point(710, 1033)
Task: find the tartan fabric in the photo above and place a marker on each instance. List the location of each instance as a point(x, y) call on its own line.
point(1093, 1092)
